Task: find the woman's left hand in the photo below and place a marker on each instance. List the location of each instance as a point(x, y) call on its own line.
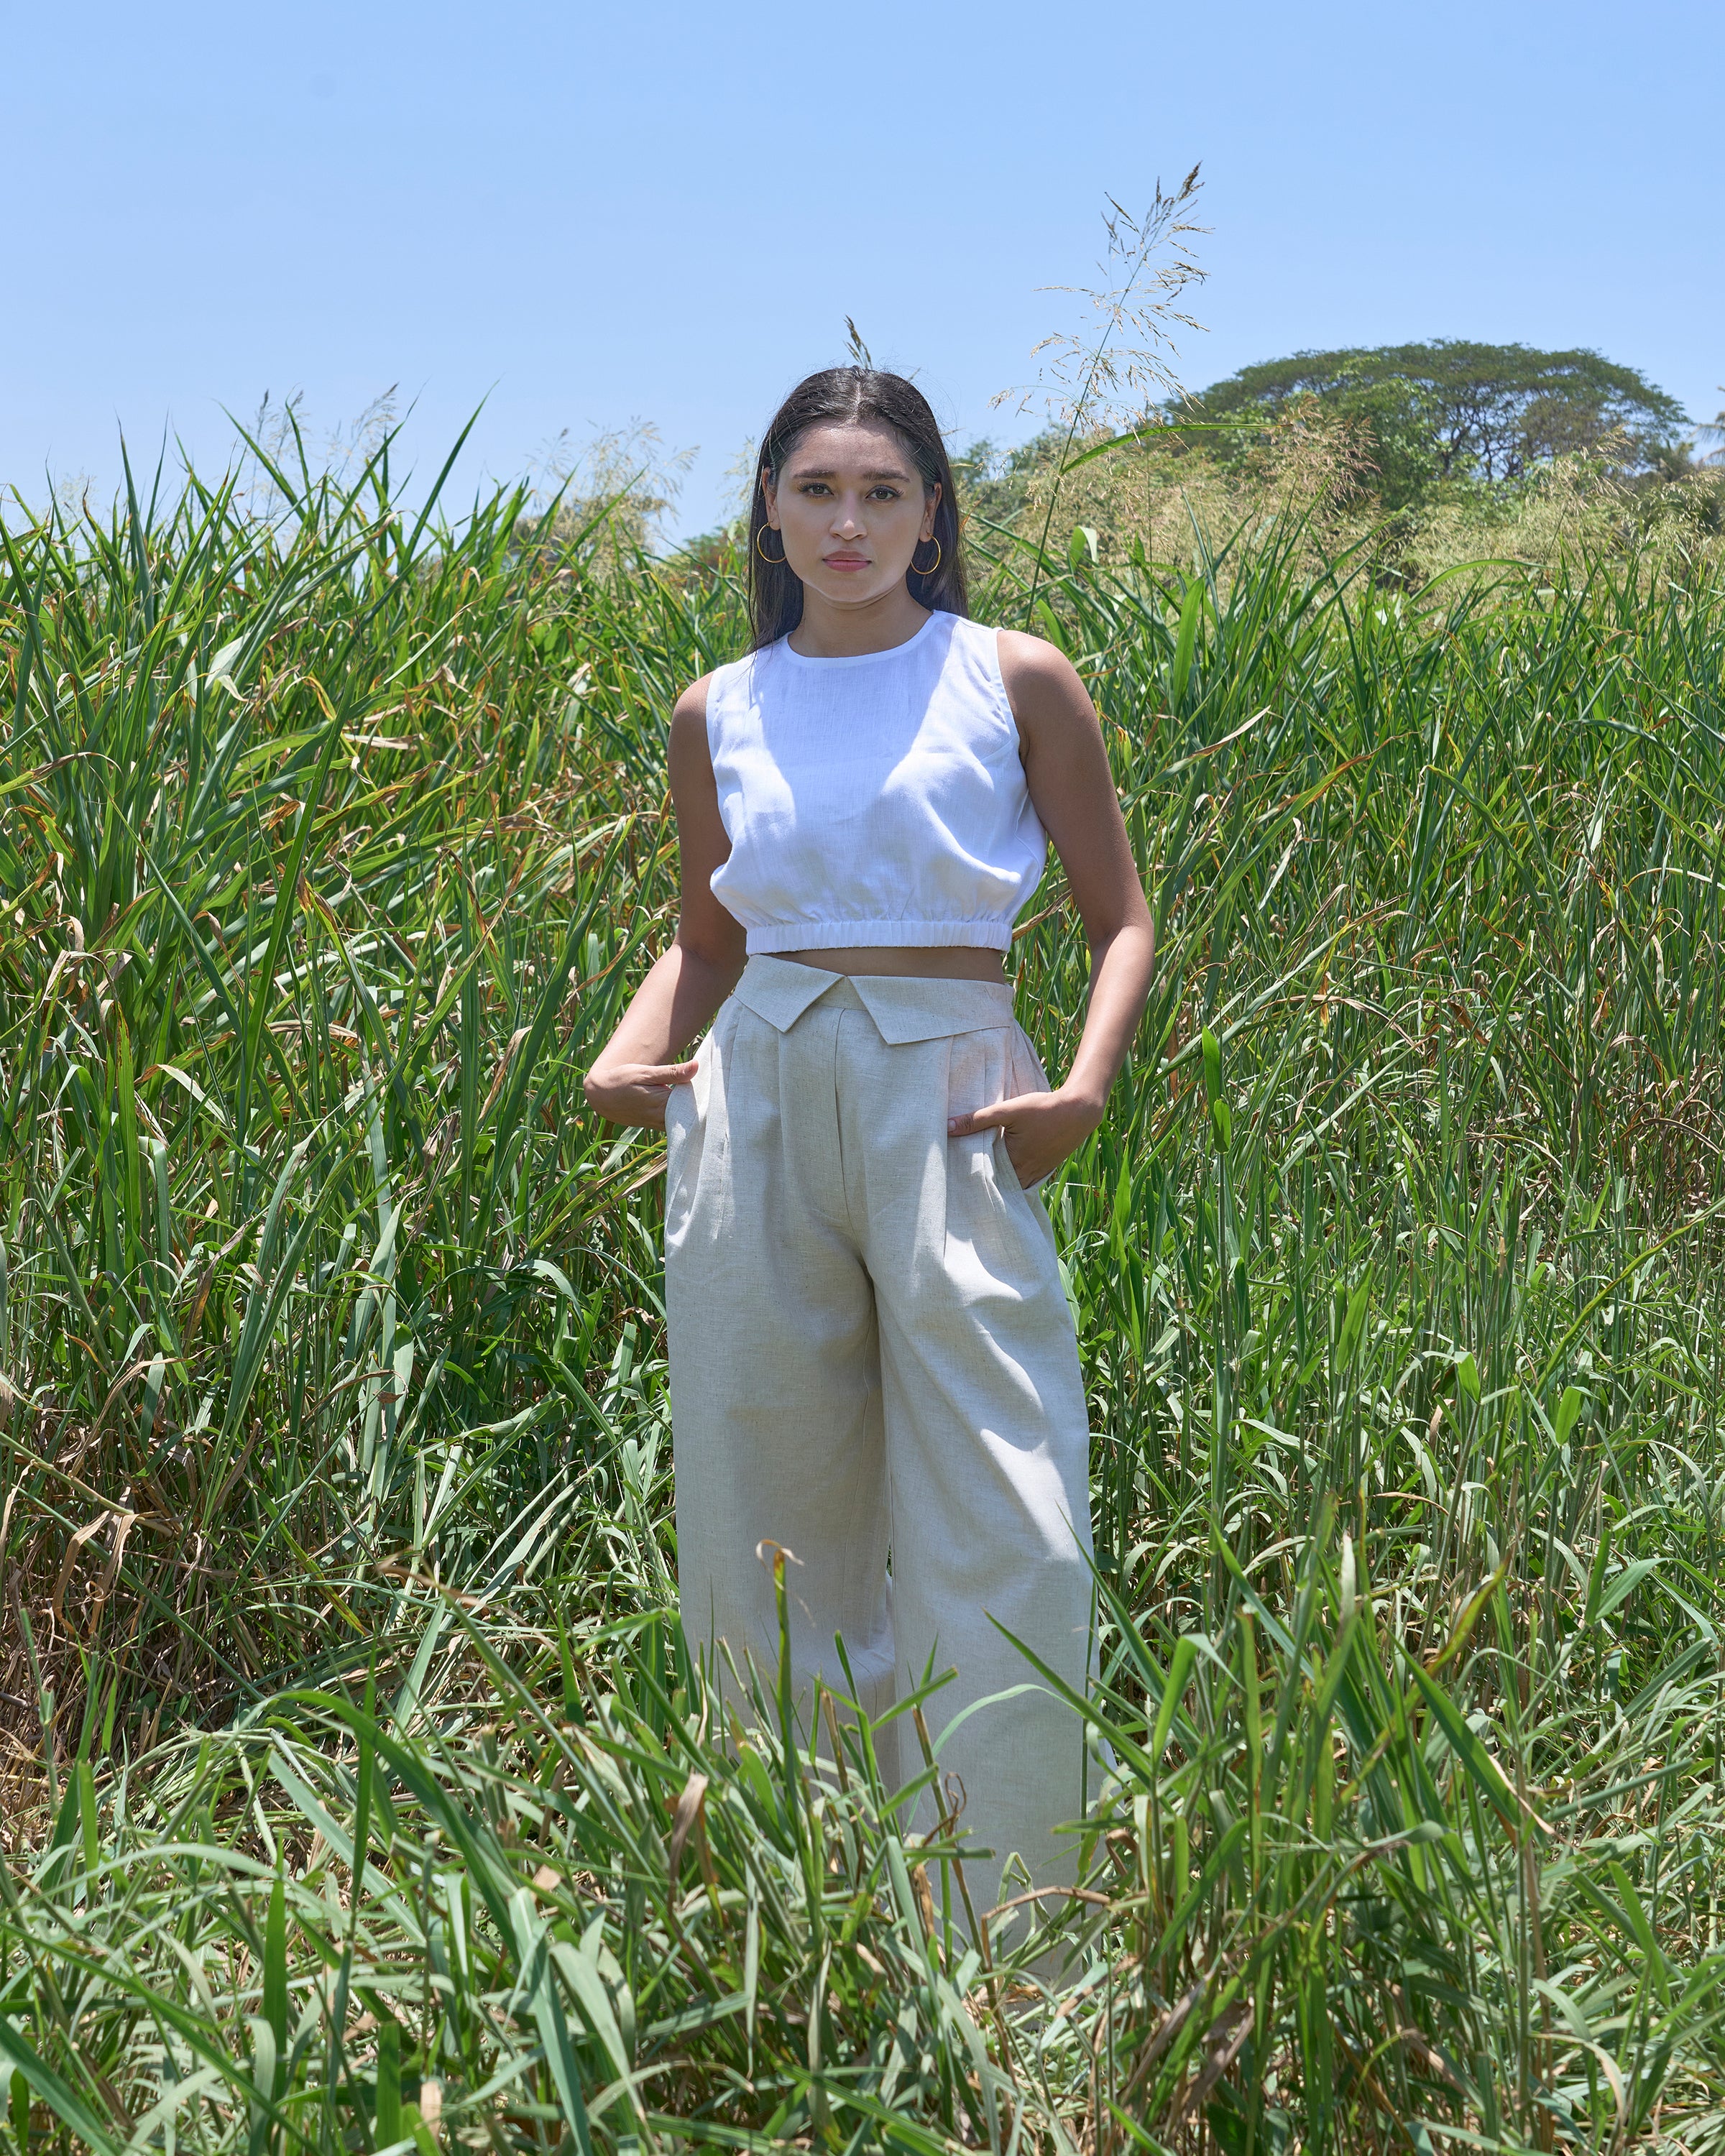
point(1042, 1129)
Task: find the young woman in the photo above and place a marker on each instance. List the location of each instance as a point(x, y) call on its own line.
point(872, 1362)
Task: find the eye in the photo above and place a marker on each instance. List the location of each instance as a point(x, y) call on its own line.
point(814, 487)
point(884, 493)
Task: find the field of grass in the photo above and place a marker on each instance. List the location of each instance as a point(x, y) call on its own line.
point(357, 1790)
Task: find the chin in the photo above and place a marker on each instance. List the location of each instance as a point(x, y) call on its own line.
point(847, 591)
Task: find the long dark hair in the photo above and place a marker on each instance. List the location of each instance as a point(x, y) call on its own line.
point(846, 394)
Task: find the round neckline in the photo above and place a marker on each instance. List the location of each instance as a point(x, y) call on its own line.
point(858, 658)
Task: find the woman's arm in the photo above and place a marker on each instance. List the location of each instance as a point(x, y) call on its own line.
point(1066, 769)
point(632, 1075)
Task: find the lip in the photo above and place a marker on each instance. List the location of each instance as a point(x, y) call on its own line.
point(845, 561)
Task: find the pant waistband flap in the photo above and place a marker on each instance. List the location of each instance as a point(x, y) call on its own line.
point(903, 1009)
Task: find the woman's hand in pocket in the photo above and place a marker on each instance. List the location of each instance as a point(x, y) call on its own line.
point(634, 1094)
point(1041, 1129)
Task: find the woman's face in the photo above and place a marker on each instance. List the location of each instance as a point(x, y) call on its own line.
point(852, 509)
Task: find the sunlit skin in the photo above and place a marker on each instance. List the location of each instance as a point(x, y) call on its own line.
point(852, 510)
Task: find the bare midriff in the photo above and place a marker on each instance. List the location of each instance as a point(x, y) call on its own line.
point(916, 961)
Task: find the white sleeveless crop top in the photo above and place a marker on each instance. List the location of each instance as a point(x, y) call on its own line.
point(873, 800)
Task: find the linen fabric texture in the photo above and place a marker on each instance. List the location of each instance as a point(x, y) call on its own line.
point(879, 799)
point(872, 1357)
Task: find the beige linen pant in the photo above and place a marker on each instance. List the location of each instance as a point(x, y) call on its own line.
point(872, 1362)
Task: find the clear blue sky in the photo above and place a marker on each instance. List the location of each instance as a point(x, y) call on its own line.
point(663, 211)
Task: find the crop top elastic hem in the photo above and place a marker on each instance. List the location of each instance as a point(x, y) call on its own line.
point(992, 934)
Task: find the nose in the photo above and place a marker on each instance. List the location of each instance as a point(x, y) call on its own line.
point(847, 524)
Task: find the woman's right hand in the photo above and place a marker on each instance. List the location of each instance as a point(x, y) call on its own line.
point(634, 1094)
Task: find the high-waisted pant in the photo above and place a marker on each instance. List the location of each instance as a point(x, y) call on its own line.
point(873, 1366)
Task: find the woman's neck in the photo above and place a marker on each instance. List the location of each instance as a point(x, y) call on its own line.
point(827, 631)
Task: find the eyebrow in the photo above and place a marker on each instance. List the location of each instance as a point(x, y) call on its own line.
point(827, 472)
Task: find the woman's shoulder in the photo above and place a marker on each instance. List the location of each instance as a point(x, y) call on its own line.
point(690, 708)
point(1033, 660)
point(689, 744)
point(1043, 686)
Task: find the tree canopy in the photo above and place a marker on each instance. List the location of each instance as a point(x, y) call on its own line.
point(1456, 410)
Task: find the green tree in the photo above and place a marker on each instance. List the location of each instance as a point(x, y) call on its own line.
point(1456, 410)
point(994, 483)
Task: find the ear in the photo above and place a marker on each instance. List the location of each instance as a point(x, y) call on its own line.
point(769, 494)
point(932, 501)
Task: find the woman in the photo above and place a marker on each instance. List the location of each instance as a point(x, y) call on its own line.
point(872, 1363)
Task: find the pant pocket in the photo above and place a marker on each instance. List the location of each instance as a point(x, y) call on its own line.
point(1025, 1064)
point(983, 1069)
point(1026, 1076)
point(685, 1142)
point(1005, 1174)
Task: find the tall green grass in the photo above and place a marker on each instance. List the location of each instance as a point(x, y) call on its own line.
point(360, 1792)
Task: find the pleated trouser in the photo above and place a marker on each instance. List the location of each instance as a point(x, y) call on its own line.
point(873, 1366)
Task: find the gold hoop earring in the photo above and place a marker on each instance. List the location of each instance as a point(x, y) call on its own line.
point(773, 560)
point(934, 564)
